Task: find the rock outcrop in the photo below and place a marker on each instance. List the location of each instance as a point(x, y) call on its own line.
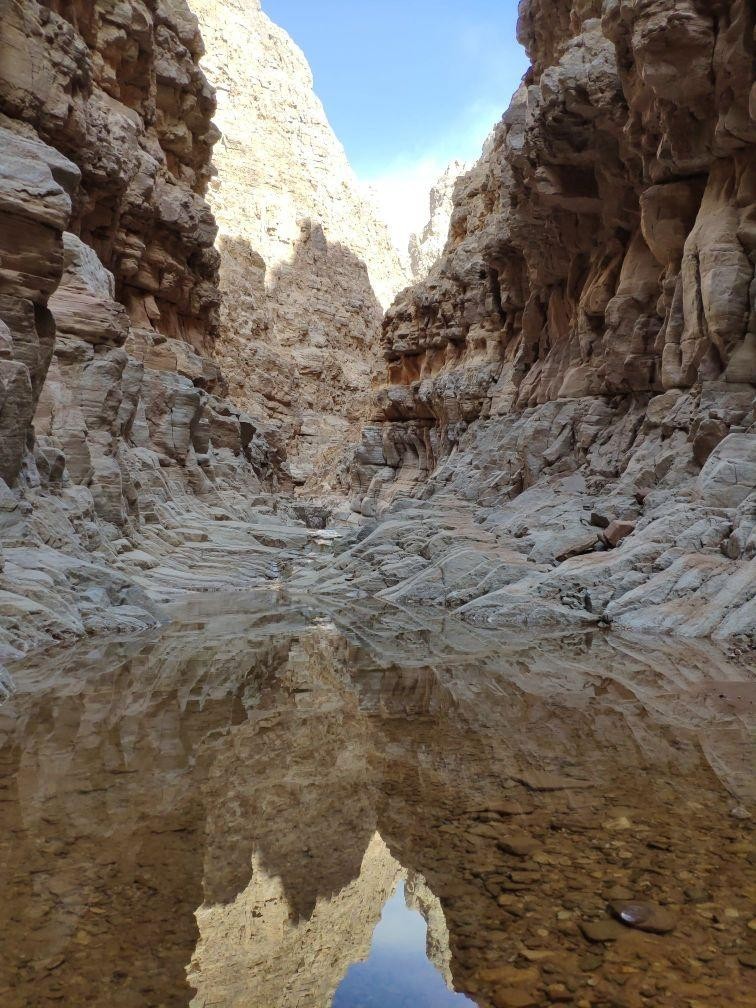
point(585, 353)
point(307, 266)
point(112, 410)
point(565, 433)
point(426, 248)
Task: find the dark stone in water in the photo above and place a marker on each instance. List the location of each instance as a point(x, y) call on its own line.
point(644, 916)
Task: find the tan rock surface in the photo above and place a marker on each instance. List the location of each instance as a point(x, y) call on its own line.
point(109, 278)
point(306, 263)
point(586, 343)
point(580, 360)
point(426, 248)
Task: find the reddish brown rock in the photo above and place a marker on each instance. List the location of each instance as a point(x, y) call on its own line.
point(617, 531)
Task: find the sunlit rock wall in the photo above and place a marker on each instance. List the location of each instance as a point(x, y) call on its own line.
point(116, 94)
point(426, 247)
point(307, 266)
point(594, 314)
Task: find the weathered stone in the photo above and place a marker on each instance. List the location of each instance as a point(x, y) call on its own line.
point(645, 916)
point(616, 531)
point(602, 931)
point(307, 265)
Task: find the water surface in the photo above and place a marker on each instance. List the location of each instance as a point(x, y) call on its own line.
point(269, 808)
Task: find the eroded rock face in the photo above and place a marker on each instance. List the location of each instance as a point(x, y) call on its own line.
point(307, 266)
point(112, 411)
point(587, 342)
point(426, 248)
point(117, 89)
point(36, 184)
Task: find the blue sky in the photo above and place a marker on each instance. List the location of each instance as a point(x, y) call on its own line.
point(408, 85)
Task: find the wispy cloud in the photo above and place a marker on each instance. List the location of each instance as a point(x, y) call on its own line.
point(402, 189)
point(401, 194)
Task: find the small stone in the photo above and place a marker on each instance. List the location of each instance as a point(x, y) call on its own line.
point(748, 959)
point(617, 531)
point(601, 931)
point(644, 917)
point(599, 520)
point(619, 893)
point(558, 994)
point(591, 962)
point(696, 895)
point(740, 813)
point(519, 844)
point(536, 955)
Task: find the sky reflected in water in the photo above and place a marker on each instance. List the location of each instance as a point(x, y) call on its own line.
point(398, 973)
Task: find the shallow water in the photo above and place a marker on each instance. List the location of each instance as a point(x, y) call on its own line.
point(398, 972)
point(272, 808)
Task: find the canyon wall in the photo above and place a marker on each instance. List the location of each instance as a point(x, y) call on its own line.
point(307, 266)
point(112, 409)
point(427, 247)
point(577, 375)
point(118, 94)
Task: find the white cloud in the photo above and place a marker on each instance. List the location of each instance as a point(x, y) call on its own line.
point(402, 191)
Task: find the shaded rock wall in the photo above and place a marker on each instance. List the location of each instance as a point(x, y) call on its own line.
point(306, 263)
point(593, 318)
point(35, 203)
point(116, 94)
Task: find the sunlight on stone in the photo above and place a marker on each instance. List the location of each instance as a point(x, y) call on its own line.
point(254, 950)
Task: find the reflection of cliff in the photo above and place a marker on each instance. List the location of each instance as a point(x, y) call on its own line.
point(255, 950)
point(240, 772)
point(419, 897)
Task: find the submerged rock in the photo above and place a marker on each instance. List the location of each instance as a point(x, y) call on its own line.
point(645, 916)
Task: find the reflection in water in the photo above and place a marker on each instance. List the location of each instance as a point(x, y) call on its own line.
point(398, 973)
point(216, 815)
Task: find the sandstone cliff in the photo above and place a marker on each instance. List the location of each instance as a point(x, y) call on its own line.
point(306, 264)
point(580, 368)
point(111, 407)
point(426, 248)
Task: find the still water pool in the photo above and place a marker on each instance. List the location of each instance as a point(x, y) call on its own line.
point(269, 808)
point(398, 972)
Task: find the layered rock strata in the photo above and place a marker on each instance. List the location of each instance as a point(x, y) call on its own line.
point(307, 266)
point(112, 411)
point(581, 367)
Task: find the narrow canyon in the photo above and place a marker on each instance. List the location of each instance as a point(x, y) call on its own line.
point(308, 499)
point(553, 424)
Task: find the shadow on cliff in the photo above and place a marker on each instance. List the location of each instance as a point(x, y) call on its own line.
point(301, 336)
